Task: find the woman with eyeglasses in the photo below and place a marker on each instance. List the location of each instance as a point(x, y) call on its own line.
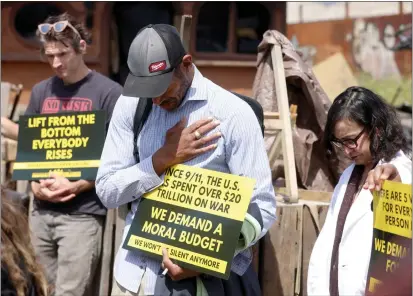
point(367, 131)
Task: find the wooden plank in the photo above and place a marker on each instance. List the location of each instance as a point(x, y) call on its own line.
point(22, 186)
point(279, 255)
point(297, 283)
point(31, 195)
point(11, 150)
point(5, 97)
point(272, 124)
point(185, 30)
point(283, 109)
point(276, 115)
point(10, 167)
point(217, 63)
point(3, 148)
point(310, 234)
point(275, 150)
point(272, 120)
point(308, 195)
point(106, 268)
point(287, 247)
point(3, 172)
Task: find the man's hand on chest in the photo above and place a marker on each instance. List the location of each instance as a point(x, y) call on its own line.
point(184, 143)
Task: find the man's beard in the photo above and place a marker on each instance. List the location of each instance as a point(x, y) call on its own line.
point(181, 95)
point(166, 101)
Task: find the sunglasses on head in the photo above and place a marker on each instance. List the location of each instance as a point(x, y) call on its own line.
point(57, 27)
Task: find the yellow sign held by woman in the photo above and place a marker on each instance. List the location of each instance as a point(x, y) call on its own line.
point(392, 233)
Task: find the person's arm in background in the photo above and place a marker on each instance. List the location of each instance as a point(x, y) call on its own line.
point(247, 157)
point(9, 129)
point(109, 102)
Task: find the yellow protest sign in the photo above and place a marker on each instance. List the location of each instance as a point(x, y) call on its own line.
point(393, 209)
point(197, 214)
point(392, 233)
point(205, 190)
point(68, 144)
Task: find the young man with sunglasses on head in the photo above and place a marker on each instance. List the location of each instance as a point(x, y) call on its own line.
point(68, 217)
point(181, 129)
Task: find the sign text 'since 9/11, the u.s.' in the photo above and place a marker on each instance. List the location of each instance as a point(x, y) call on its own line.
point(196, 214)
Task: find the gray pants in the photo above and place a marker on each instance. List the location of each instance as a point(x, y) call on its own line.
point(69, 248)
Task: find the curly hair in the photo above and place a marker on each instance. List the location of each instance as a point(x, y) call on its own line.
point(17, 250)
point(67, 35)
point(361, 105)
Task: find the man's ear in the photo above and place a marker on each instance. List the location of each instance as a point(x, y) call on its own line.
point(82, 46)
point(187, 60)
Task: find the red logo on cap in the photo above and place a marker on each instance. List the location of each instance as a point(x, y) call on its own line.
point(158, 66)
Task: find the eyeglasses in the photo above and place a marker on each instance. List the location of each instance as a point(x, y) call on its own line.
point(57, 27)
point(349, 143)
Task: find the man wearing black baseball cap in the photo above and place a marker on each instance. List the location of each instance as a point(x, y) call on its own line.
point(193, 122)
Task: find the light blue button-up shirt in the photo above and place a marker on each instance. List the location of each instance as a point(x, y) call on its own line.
point(240, 151)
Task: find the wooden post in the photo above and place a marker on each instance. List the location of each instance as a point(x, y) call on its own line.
point(347, 10)
point(300, 14)
point(185, 30)
point(105, 276)
point(273, 124)
point(281, 251)
point(283, 109)
point(287, 247)
point(5, 97)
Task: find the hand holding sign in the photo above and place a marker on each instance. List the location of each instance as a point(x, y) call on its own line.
point(176, 272)
point(183, 144)
point(380, 173)
point(392, 234)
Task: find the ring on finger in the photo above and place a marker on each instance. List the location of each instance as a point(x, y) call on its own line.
point(197, 135)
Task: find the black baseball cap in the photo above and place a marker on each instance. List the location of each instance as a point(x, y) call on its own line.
point(153, 55)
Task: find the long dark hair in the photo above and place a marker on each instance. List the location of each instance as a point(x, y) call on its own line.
point(361, 105)
point(17, 250)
